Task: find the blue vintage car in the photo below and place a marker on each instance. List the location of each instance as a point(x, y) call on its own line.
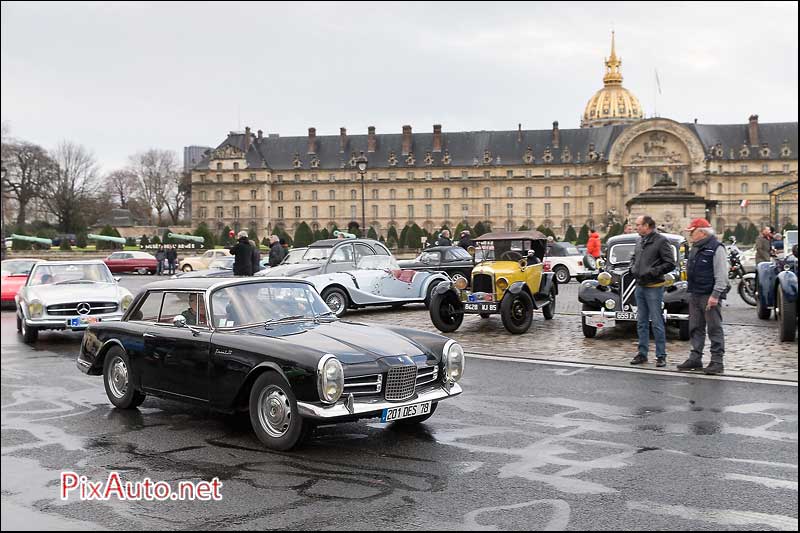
point(777, 289)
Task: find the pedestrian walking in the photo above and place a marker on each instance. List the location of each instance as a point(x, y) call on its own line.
point(593, 245)
point(243, 254)
point(276, 252)
point(444, 238)
point(652, 258)
point(764, 245)
point(160, 256)
point(172, 259)
point(465, 240)
point(707, 276)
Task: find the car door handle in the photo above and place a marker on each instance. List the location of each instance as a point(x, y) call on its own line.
point(150, 335)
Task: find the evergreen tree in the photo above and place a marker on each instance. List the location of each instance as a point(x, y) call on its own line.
point(317, 235)
point(727, 235)
point(479, 230)
point(751, 234)
point(107, 231)
point(80, 240)
point(323, 234)
point(354, 228)
point(523, 228)
point(144, 241)
point(165, 238)
point(303, 236)
point(64, 245)
point(372, 234)
point(789, 226)
point(583, 236)
point(391, 237)
point(414, 237)
point(461, 227)
point(224, 237)
point(265, 242)
point(203, 231)
point(570, 235)
point(155, 240)
point(402, 242)
point(616, 229)
point(740, 232)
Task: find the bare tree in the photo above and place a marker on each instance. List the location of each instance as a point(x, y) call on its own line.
point(154, 170)
point(123, 184)
point(74, 184)
point(28, 168)
point(180, 187)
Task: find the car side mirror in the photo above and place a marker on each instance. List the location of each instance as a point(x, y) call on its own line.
point(117, 279)
point(179, 321)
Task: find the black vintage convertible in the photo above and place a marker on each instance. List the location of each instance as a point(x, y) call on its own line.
point(273, 348)
point(454, 260)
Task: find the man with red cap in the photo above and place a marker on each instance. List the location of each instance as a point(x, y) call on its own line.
point(707, 276)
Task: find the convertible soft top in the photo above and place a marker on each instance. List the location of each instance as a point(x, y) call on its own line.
point(531, 235)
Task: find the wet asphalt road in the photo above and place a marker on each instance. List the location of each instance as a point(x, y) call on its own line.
point(527, 446)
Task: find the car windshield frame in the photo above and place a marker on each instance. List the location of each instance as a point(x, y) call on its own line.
point(101, 273)
point(632, 245)
point(317, 254)
point(264, 303)
point(298, 257)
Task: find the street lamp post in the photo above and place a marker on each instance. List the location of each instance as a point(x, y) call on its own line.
point(361, 165)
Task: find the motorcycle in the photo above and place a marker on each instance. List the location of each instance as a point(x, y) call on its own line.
point(747, 283)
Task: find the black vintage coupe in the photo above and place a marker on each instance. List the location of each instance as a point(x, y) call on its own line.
point(273, 348)
point(454, 260)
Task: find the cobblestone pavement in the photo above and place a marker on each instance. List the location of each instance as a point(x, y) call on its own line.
point(752, 345)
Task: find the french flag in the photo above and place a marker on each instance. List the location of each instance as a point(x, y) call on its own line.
point(744, 203)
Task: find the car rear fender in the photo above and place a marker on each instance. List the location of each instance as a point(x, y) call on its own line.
point(517, 287)
point(788, 284)
point(97, 366)
point(242, 397)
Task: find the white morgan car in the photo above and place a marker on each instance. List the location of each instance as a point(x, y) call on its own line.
point(68, 295)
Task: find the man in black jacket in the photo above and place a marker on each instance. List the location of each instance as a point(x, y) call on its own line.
point(243, 253)
point(276, 251)
point(653, 257)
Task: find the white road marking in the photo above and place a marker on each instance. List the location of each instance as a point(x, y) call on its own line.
point(770, 483)
point(723, 517)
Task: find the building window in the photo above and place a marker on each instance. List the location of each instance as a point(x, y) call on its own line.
point(219, 178)
point(353, 194)
point(218, 195)
point(252, 211)
point(765, 188)
point(744, 187)
point(235, 195)
point(678, 178)
point(332, 194)
point(464, 210)
point(392, 194)
point(487, 192)
point(280, 196)
point(464, 192)
point(219, 212)
point(446, 174)
point(314, 212)
point(352, 176)
point(253, 194)
point(203, 196)
point(219, 166)
point(374, 194)
point(528, 173)
point(428, 211)
point(591, 208)
point(297, 178)
point(633, 179)
point(719, 188)
point(392, 212)
point(202, 212)
point(428, 193)
point(297, 211)
point(566, 191)
point(332, 211)
point(744, 169)
point(547, 173)
point(446, 192)
point(510, 192)
point(547, 210)
point(280, 212)
point(392, 175)
point(332, 177)
point(236, 178)
point(566, 210)
point(353, 212)
point(510, 210)
point(528, 192)
point(314, 195)
point(547, 191)
point(314, 178)
point(528, 210)
point(236, 166)
point(509, 173)
point(297, 195)
point(428, 175)
point(591, 190)
point(374, 211)
point(410, 194)
point(765, 168)
point(487, 210)
point(464, 174)
point(487, 174)
point(410, 175)
point(446, 211)
point(786, 168)
point(566, 172)
point(411, 212)
point(374, 176)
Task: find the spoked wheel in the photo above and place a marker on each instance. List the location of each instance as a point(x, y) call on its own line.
point(447, 311)
point(516, 311)
point(747, 290)
point(336, 300)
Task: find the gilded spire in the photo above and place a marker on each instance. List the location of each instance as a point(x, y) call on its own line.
point(613, 75)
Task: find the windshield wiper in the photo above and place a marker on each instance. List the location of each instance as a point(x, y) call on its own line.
point(67, 281)
point(283, 319)
point(326, 314)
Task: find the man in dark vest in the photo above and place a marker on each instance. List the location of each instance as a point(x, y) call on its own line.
point(707, 274)
point(243, 253)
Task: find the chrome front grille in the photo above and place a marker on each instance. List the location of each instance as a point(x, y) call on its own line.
point(427, 374)
point(628, 291)
point(401, 382)
point(363, 385)
point(482, 283)
point(71, 309)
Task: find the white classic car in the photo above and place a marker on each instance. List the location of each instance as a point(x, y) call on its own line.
point(376, 280)
point(68, 295)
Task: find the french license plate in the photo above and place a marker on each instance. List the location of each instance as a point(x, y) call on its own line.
point(621, 315)
point(481, 307)
point(81, 321)
point(407, 411)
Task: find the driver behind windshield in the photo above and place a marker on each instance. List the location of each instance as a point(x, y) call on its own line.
point(190, 314)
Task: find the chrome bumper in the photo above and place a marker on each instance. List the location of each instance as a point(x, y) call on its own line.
point(359, 408)
point(612, 315)
point(61, 323)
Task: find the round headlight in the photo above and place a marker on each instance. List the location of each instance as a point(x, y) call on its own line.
point(35, 309)
point(604, 279)
point(126, 302)
point(461, 283)
point(453, 361)
point(610, 304)
point(330, 379)
point(502, 284)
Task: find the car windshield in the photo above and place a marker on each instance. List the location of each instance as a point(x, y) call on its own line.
point(428, 257)
point(621, 253)
point(67, 274)
point(295, 256)
point(570, 250)
point(222, 264)
point(16, 268)
point(377, 262)
point(268, 301)
point(316, 254)
point(459, 253)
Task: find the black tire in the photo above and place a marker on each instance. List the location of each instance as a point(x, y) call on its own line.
point(485, 315)
point(787, 317)
point(118, 380)
point(684, 333)
point(747, 291)
point(186, 268)
point(429, 292)
point(417, 419)
point(516, 311)
point(561, 274)
point(588, 331)
point(273, 413)
point(549, 310)
point(19, 324)
point(336, 299)
point(29, 333)
point(763, 312)
point(447, 311)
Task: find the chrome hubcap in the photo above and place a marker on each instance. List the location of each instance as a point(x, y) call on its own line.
point(334, 302)
point(274, 411)
point(118, 378)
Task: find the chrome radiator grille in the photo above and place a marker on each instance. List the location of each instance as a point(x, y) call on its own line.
point(482, 283)
point(363, 385)
point(427, 374)
point(71, 309)
point(400, 382)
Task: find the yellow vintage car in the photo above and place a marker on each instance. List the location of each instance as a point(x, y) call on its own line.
point(509, 280)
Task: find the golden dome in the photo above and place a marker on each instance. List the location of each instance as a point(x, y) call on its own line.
point(613, 104)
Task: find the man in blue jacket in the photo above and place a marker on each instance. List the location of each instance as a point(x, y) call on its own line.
point(707, 274)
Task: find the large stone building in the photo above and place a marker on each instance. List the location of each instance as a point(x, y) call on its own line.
point(595, 175)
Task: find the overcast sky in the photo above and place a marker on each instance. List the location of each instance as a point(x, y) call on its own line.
point(121, 77)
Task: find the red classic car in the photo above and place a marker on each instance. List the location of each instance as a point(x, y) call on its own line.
point(14, 275)
point(140, 262)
